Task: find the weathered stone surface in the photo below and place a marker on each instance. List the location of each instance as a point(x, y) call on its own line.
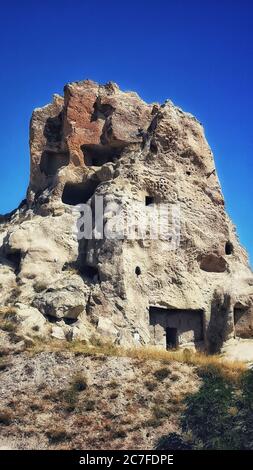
point(100, 141)
point(212, 263)
point(45, 142)
point(66, 298)
point(106, 328)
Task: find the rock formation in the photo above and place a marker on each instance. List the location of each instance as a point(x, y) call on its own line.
point(191, 287)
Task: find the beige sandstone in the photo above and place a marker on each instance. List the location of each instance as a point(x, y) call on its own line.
point(100, 141)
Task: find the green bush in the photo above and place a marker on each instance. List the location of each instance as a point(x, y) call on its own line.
point(220, 414)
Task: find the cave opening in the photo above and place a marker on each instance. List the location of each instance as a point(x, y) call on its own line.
point(79, 193)
point(138, 271)
point(51, 162)
point(14, 257)
point(55, 320)
point(171, 338)
point(238, 313)
point(91, 272)
point(212, 263)
point(53, 129)
point(149, 200)
point(101, 110)
point(229, 248)
point(243, 325)
point(98, 154)
point(171, 328)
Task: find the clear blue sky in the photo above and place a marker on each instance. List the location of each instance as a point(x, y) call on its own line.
point(197, 53)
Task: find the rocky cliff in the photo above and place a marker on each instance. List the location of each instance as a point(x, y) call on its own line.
point(191, 287)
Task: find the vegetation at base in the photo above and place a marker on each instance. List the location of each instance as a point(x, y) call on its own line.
point(79, 382)
point(57, 435)
point(229, 369)
point(220, 414)
point(162, 374)
point(209, 404)
point(6, 417)
point(70, 396)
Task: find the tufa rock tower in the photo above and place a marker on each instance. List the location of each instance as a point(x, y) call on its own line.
point(193, 288)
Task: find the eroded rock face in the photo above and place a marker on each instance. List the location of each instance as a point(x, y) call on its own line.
point(100, 141)
point(64, 299)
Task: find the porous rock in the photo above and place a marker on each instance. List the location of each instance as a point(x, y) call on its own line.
point(97, 140)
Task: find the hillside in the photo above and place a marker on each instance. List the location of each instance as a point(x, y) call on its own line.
point(74, 396)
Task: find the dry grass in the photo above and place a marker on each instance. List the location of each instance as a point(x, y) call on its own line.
point(110, 410)
point(8, 326)
point(4, 311)
point(229, 369)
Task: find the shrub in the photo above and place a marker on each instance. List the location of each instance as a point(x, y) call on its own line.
point(36, 406)
point(217, 415)
point(152, 423)
point(56, 435)
point(151, 386)
point(173, 441)
point(5, 417)
point(113, 384)
point(159, 412)
point(90, 405)
point(70, 397)
point(162, 374)
point(36, 328)
point(9, 327)
point(96, 341)
point(79, 383)
point(119, 434)
point(10, 310)
point(15, 293)
point(4, 352)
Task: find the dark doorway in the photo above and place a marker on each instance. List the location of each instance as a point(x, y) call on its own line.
point(149, 200)
point(90, 272)
point(238, 313)
point(240, 319)
point(174, 327)
point(171, 338)
point(229, 248)
point(138, 271)
point(79, 193)
point(98, 155)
